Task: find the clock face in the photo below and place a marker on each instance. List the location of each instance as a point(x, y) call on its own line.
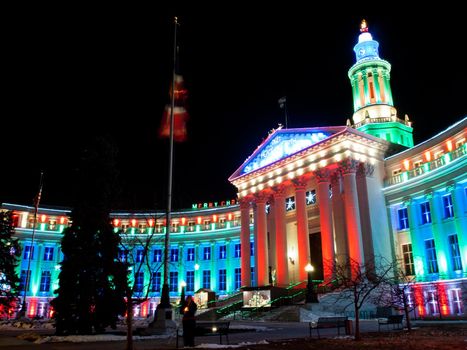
point(361, 52)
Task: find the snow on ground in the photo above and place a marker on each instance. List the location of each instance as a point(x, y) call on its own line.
point(256, 328)
point(26, 324)
point(221, 346)
point(95, 338)
point(313, 315)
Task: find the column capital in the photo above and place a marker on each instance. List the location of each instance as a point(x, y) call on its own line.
point(407, 201)
point(429, 194)
point(279, 191)
point(300, 183)
point(348, 166)
point(335, 178)
point(365, 170)
point(450, 186)
point(261, 197)
point(322, 175)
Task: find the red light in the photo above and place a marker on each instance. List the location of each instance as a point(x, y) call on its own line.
point(406, 164)
point(116, 222)
point(62, 220)
point(230, 217)
point(428, 156)
point(133, 222)
point(449, 145)
point(199, 220)
point(43, 218)
point(214, 218)
point(183, 220)
point(151, 222)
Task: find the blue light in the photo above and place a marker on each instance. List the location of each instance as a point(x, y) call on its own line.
point(281, 146)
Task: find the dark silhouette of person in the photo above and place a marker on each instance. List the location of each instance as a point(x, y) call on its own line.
point(188, 310)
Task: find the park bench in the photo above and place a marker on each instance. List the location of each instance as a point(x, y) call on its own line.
point(391, 319)
point(210, 328)
point(329, 322)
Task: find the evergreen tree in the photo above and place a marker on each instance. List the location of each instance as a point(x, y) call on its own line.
point(10, 253)
point(92, 281)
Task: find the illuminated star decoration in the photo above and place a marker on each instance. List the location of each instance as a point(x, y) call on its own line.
point(310, 197)
point(290, 204)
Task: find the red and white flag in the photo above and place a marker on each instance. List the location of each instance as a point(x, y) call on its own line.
point(180, 113)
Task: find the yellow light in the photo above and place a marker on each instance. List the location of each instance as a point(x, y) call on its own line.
point(449, 145)
point(406, 164)
point(271, 183)
point(243, 185)
point(323, 162)
point(291, 175)
point(244, 193)
point(183, 283)
point(253, 189)
point(300, 163)
point(196, 267)
point(278, 171)
point(309, 268)
point(253, 181)
point(338, 157)
point(260, 187)
point(300, 172)
point(290, 167)
point(313, 167)
point(312, 158)
point(279, 179)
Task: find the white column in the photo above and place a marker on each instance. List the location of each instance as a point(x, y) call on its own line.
point(245, 242)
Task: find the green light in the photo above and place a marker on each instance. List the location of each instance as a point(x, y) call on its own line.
point(197, 228)
point(61, 228)
point(426, 167)
point(132, 231)
point(150, 230)
point(405, 176)
point(419, 270)
point(228, 224)
point(213, 226)
point(34, 289)
point(443, 265)
point(115, 229)
point(42, 227)
point(182, 229)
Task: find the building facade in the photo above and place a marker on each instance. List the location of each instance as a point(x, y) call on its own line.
point(305, 195)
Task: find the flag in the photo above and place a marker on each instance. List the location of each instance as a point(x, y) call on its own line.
point(282, 101)
point(180, 113)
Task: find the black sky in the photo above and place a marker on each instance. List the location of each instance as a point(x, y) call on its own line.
point(73, 73)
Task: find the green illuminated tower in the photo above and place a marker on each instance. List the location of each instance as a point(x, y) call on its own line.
point(374, 111)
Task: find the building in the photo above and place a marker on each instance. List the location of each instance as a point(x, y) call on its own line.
point(305, 195)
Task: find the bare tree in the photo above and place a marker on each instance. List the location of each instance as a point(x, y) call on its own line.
point(399, 293)
point(357, 283)
point(135, 253)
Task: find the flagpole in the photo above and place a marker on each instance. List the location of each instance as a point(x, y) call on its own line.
point(31, 251)
point(165, 297)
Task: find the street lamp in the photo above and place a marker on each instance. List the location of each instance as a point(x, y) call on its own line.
point(311, 296)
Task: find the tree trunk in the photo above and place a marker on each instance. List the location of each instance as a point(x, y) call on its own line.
point(407, 315)
point(129, 322)
point(357, 324)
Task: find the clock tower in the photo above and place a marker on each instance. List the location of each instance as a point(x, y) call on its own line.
point(374, 111)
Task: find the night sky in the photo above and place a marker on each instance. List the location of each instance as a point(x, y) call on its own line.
point(75, 73)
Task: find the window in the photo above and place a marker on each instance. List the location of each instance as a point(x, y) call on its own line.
point(207, 224)
point(48, 253)
point(238, 278)
point(190, 281)
point(448, 207)
point(268, 208)
point(426, 213)
point(173, 282)
point(290, 204)
point(455, 252)
point(432, 302)
point(222, 279)
point(122, 255)
point(24, 280)
point(190, 254)
point(456, 301)
point(139, 281)
point(408, 259)
point(222, 222)
point(156, 282)
point(439, 154)
point(157, 255)
point(191, 226)
point(431, 259)
point(139, 255)
point(28, 252)
point(252, 248)
point(459, 143)
point(174, 227)
point(417, 164)
point(159, 228)
point(238, 251)
point(222, 252)
point(311, 197)
point(207, 279)
point(403, 219)
point(45, 281)
point(207, 253)
point(396, 172)
point(253, 278)
point(174, 254)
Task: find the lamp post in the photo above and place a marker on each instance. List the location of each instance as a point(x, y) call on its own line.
point(311, 296)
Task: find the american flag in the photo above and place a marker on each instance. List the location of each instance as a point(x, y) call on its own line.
point(180, 113)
